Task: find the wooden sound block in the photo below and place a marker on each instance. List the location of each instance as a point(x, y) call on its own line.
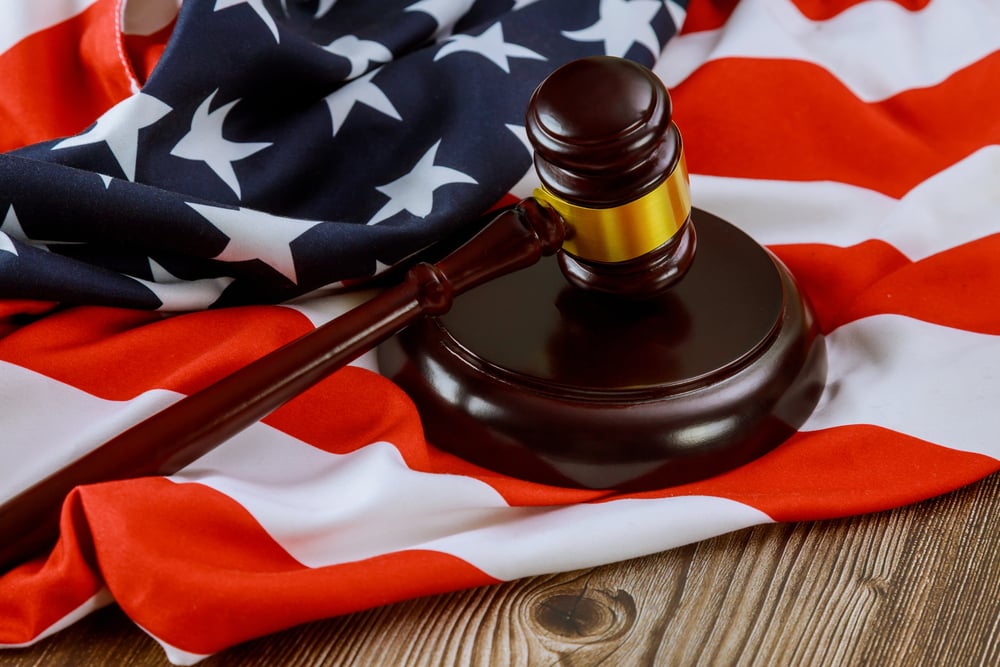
point(531, 377)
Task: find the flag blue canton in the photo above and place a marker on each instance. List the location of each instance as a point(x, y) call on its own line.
point(279, 147)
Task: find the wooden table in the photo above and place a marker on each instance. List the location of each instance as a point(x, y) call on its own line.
point(917, 585)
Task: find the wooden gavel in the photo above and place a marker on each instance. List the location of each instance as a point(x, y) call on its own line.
point(179, 434)
point(613, 204)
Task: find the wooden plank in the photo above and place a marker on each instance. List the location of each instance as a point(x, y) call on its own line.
point(918, 585)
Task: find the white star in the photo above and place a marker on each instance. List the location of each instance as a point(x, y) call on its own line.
point(6, 244)
point(677, 13)
point(358, 91)
point(324, 7)
point(119, 129)
point(359, 52)
point(257, 235)
point(521, 133)
point(177, 294)
point(204, 142)
point(257, 6)
point(414, 192)
point(521, 4)
point(621, 25)
point(445, 13)
point(12, 227)
point(489, 44)
point(529, 181)
point(321, 11)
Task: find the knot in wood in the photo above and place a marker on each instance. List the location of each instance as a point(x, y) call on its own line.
point(583, 615)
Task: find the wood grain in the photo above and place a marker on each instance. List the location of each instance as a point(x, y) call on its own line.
point(914, 586)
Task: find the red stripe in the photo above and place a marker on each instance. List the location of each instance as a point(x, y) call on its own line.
point(813, 475)
point(712, 14)
point(833, 277)
point(58, 81)
point(791, 120)
point(844, 471)
point(148, 351)
point(705, 15)
point(956, 288)
point(369, 408)
point(15, 314)
point(144, 51)
point(821, 10)
point(515, 492)
point(187, 352)
point(40, 593)
point(192, 560)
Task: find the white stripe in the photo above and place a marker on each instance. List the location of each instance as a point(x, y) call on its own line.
point(677, 13)
point(22, 18)
point(321, 307)
point(326, 509)
point(100, 600)
point(955, 206)
point(570, 537)
point(932, 382)
point(176, 656)
point(33, 447)
point(48, 424)
point(877, 48)
point(779, 212)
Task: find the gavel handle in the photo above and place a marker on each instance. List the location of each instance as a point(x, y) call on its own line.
point(181, 433)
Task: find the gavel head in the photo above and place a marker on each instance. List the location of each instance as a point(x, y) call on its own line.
point(611, 164)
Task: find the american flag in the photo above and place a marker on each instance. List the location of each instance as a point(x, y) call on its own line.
point(164, 160)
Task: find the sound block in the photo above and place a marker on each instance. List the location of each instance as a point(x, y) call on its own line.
point(534, 378)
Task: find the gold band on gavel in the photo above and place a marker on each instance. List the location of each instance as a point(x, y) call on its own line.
point(628, 231)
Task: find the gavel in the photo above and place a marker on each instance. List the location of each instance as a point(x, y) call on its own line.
point(642, 354)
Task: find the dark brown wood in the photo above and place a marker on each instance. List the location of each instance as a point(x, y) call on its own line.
point(539, 380)
point(918, 585)
point(648, 276)
point(602, 132)
point(716, 362)
point(179, 434)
